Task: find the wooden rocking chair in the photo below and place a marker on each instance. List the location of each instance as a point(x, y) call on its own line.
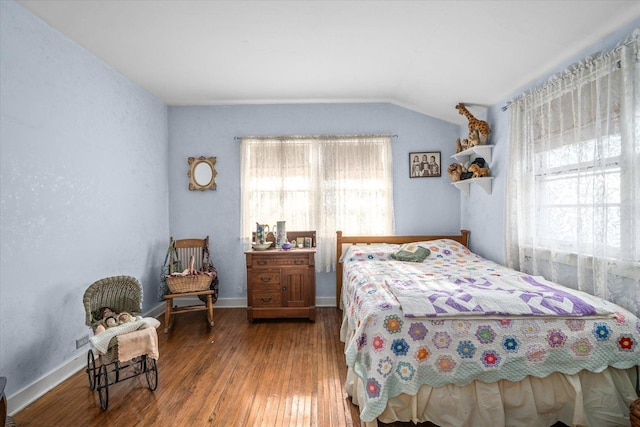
point(189, 251)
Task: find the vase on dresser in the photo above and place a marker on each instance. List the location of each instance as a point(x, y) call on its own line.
point(281, 234)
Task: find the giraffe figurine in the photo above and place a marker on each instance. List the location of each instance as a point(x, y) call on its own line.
point(474, 124)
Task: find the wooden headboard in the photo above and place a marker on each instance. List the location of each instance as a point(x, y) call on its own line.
point(463, 238)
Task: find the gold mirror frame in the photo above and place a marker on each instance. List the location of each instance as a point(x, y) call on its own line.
point(202, 173)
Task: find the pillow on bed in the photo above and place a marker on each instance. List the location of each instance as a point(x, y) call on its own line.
point(411, 252)
point(448, 249)
point(372, 252)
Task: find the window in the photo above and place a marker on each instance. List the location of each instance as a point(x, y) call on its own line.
point(322, 183)
point(568, 190)
point(573, 179)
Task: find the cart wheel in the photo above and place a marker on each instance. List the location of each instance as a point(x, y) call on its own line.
point(103, 387)
point(116, 372)
point(91, 370)
point(151, 371)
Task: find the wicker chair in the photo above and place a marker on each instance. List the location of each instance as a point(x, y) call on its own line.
point(120, 293)
point(182, 251)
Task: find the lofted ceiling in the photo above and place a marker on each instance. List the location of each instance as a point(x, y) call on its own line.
point(423, 55)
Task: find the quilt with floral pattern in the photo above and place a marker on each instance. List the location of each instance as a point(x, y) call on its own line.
point(395, 352)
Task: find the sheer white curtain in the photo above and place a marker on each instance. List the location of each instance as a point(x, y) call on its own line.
point(573, 214)
point(322, 183)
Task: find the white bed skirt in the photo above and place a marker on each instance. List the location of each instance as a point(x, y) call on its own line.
point(584, 399)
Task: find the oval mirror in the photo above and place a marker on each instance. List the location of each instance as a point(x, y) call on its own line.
point(202, 173)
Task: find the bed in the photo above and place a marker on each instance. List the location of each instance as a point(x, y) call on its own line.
point(455, 339)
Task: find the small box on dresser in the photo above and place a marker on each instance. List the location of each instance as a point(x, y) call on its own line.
point(281, 284)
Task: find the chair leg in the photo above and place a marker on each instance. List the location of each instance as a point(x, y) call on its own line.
point(168, 319)
point(210, 309)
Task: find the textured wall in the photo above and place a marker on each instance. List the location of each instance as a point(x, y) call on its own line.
point(422, 205)
point(92, 183)
point(83, 190)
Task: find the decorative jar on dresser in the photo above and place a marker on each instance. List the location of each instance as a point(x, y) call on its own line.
point(281, 283)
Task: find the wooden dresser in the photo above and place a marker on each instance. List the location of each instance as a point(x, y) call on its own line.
point(281, 284)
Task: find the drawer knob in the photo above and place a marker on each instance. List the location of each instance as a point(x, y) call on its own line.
point(265, 299)
point(262, 262)
point(265, 278)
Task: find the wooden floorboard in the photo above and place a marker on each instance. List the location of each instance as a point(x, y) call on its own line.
point(276, 372)
point(266, 373)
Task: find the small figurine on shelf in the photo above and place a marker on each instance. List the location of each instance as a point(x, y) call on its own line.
point(474, 139)
point(462, 145)
point(479, 161)
point(455, 170)
point(480, 126)
point(466, 175)
point(477, 171)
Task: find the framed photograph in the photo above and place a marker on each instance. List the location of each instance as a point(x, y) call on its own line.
point(307, 242)
point(426, 164)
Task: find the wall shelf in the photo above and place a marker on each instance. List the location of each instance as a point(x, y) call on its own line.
point(469, 154)
point(483, 151)
point(484, 183)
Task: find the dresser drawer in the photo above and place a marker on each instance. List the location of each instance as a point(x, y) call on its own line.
point(272, 261)
point(266, 277)
point(271, 298)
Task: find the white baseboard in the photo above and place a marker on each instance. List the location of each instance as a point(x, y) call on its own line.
point(49, 381)
point(32, 392)
point(234, 303)
point(325, 301)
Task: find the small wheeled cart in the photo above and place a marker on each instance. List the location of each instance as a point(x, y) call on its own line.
point(120, 294)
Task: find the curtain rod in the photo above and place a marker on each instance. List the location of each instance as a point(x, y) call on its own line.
point(634, 37)
point(367, 135)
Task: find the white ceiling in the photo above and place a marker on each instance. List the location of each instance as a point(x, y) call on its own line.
point(423, 55)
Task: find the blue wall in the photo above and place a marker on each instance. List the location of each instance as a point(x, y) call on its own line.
point(83, 190)
point(93, 181)
point(422, 205)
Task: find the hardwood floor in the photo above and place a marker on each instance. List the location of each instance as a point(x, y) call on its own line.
point(266, 373)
